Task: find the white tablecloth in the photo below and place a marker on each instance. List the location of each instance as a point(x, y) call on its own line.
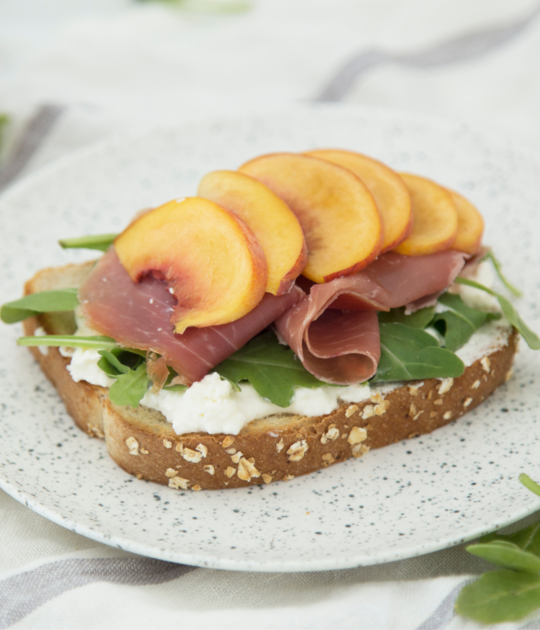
point(84, 69)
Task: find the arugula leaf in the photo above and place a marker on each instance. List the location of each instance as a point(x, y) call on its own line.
point(43, 302)
point(4, 119)
point(418, 319)
point(527, 539)
point(498, 269)
point(175, 388)
point(529, 484)
point(108, 368)
point(101, 242)
point(506, 554)
point(532, 339)
point(117, 361)
point(208, 6)
point(410, 353)
point(506, 595)
point(69, 341)
point(129, 388)
point(459, 322)
point(500, 596)
point(272, 368)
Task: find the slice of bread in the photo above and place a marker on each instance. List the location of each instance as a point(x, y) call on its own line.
point(277, 447)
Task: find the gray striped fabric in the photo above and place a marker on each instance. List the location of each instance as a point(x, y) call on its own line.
point(464, 48)
point(34, 134)
point(21, 594)
point(444, 613)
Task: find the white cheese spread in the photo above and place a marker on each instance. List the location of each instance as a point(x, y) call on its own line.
point(214, 406)
point(488, 339)
point(84, 367)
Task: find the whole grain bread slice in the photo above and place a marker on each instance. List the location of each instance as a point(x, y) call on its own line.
point(278, 447)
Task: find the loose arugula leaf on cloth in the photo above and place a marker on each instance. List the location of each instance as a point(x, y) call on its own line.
point(409, 353)
point(101, 242)
point(498, 269)
point(130, 388)
point(272, 368)
point(43, 302)
point(418, 319)
point(506, 554)
point(527, 539)
point(506, 595)
point(96, 342)
point(500, 596)
point(459, 323)
point(532, 339)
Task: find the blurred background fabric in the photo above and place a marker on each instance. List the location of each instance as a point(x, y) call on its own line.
point(73, 72)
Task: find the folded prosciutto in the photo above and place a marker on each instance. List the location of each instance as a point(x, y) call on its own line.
point(334, 330)
point(137, 315)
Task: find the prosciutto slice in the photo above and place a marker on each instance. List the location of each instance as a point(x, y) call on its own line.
point(137, 315)
point(343, 347)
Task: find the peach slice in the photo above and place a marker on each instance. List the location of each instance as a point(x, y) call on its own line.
point(276, 227)
point(435, 218)
point(470, 225)
point(214, 265)
point(337, 212)
point(388, 189)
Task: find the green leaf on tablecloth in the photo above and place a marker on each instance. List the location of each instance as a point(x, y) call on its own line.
point(500, 596)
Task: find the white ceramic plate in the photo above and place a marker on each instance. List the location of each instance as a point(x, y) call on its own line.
point(404, 500)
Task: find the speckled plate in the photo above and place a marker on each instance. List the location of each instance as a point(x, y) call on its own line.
point(404, 500)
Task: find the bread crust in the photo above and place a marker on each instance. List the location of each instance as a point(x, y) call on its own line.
point(278, 447)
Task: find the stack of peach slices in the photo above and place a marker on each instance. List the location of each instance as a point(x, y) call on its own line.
point(322, 214)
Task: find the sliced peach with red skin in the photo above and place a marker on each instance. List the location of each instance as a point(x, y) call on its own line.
point(435, 222)
point(214, 265)
point(338, 214)
point(388, 189)
point(470, 225)
point(276, 227)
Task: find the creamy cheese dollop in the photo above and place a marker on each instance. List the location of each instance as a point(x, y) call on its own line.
point(213, 405)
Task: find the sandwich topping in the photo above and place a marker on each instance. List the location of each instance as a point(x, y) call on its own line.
point(214, 406)
point(335, 330)
point(183, 308)
point(138, 315)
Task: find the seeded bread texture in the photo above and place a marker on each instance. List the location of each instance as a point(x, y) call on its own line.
point(275, 448)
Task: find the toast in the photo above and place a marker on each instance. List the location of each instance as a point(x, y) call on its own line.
point(277, 447)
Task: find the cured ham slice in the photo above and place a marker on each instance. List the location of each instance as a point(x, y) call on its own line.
point(343, 348)
point(137, 315)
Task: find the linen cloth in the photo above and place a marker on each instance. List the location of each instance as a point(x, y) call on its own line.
point(82, 70)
